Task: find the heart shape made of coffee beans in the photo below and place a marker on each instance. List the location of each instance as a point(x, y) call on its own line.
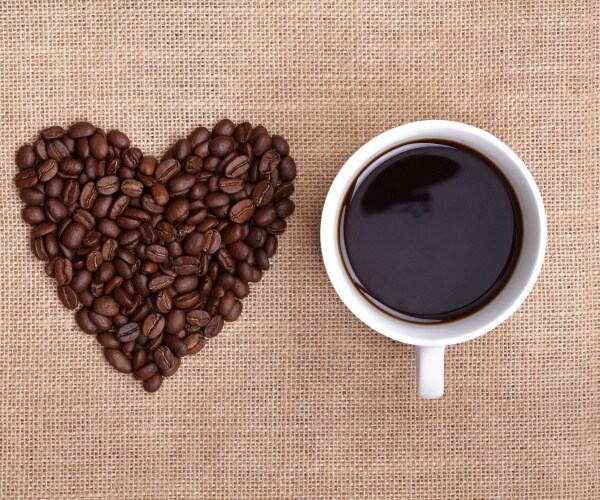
point(155, 256)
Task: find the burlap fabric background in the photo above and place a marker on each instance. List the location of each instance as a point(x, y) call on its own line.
point(298, 399)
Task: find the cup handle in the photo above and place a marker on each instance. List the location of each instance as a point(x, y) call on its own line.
point(430, 372)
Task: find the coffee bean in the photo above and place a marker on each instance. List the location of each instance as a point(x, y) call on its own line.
point(177, 210)
point(145, 372)
point(108, 185)
point(230, 186)
point(187, 301)
point(47, 170)
point(287, 169)
point(153, 383)
point(25, 157)
point(216, 200)
point(108, 340)
point(243, 132)
point(166, 170)
point(63, 271)
point(118, 360)
point(94, 260)
point(128, 332)
point(277, 227)
point(84, 322)
point(101, 322)
point(237, 167)
point(73, 235)
point(285, 190)
point(242, 211)
point(265, 216)
point(269, 162)
point(131, 187)
point(214, 327)
point(164, 359)
point(186, 265)
point(194, 343)
point(262, 193)
point(131, 157)
point(33, 215)
point(284, 208)
point(118, 139)
point(57, 150)
point(98, 146)
point(68, 297)
point(160, 282)
point(81, 129)
point(221, 146)
point(106, 306)
point(261, 142)
point(26, 178)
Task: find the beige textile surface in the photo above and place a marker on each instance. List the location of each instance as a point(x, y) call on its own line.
point(298, 399)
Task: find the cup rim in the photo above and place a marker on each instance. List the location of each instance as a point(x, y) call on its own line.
point(429, 334)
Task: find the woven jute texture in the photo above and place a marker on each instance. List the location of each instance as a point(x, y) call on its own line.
point(298, 399)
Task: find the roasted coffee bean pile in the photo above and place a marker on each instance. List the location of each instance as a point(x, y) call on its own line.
point(155, 256)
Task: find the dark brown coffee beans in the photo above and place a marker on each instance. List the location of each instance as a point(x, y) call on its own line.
point(159, 254)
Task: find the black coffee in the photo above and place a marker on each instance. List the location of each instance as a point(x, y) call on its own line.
point(432, 233)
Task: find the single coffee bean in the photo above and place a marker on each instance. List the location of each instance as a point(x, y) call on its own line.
point(53, 188)
point(225, 260)
point(284, 208)
point(261, 143)
point(160, 282)
point(287, 169)
point(68, 297)
point(231, 233)
point(102, 322)
point(164, 358)
point(265, 216)
point(81, 129)
point(57, 150)
point(269, 162)
point(177, 210)
point(98, 146)
point(284, 190)
point(187, 301)
point(277, 227)
point(25, 157)
point(33, 215)
point(138, 360)
point(131, 158)
point(108, 185)
point(62, 271)
point(166, 170)
point(214, 327)
point(131, 187)
point(108, 340)
point(242, 211)
point(212, 200)
point(118, 360)
point(197, 319)
point(243, 132)
point(26, 178)
point(88, 196)
point(221, 146)
point(153, 383)
point(73, 235)
point(160, 194)
point(175, 321)
point(128, 332)
point(47, 170)
point(147, 165)
point(163, 301)
point(118, 139)
point(39, 146)
point(32, 196)
point(94, 260)
point(157, 253)
point(106, 306)
point(84, 322)
point(145, 372)
point(280, 145)
point(186, 265)
point(237, 167)
point(262, 193)
point(230, 186)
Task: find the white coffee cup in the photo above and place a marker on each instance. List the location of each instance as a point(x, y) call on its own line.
point(431, 339)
